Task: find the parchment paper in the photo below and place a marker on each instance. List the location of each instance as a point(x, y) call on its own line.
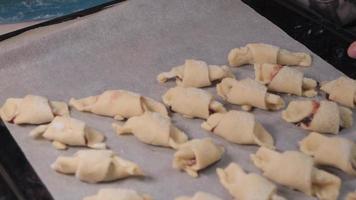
point(125, 47)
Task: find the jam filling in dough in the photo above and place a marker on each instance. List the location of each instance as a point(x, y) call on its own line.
point(285, 79)
point(196, 73)
point(296, 170)
point(199, 196)
point(264, 53)
point(192, 102)
point(322, 117)
point(248, 93)
point(63, 131)
point(95, 166)
point(32, 110)
point(332, 151)
point(238, 127)
point(342, 91)
point(197, 154)
point(119, 104)
point(153, 128)
point(118, 194)
point(244, 186)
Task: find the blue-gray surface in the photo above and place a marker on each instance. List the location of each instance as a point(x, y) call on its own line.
point(13, 11)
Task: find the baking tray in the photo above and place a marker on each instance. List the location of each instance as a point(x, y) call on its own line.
point(125, 47)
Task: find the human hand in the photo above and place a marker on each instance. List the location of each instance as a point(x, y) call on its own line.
point(351, 51)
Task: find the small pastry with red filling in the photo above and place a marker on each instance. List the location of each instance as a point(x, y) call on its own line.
point(119, 104)
point(285, 79)
point(334, 151)
point(297, 170)
point(153, 128)
point(341, 90)
point(318, 116)
point(192, 102)
point(32, 110)
point(196, 155)
point(239, 127)
point(196, 73)
point(248, 93)
point(260, 53)
point(67, 131)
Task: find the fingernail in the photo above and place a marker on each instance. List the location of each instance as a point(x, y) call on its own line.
point(351, 51)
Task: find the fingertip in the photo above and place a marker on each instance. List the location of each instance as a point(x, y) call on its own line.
point(351, 51)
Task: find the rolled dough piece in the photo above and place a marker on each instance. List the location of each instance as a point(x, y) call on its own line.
point(264, 53)
point(332, 151)
point(250, 93)
point(351, 196)
point(285, 79)
point(118, 194)
point(95, 166)
point(192, 102)
point(196, 73)
point(342, 91)
point(153, 128)
point(65, 131)
point(318, 116)
point(32, 110)
point(238, 127)
point(296, 170)
point(197, 154)
point(244, 186)
point(199, 196)
point(119, 104)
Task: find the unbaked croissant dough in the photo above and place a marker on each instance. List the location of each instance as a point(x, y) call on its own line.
point(196, 73)
point(243, 186)
point(296, 170)
point(341, 90)
point(192, 102)
point(248, 93)
point(94, 166)
point(65, 131)
point(322, 117)
point(285, 79)
point(118, 194)
point(197, 154)
point(333, 151)
point(32, 110)
point(238, 127)
point(119, 104)
point(351, 196)
point(264, 53)
point(153, 128)
point(199, 196)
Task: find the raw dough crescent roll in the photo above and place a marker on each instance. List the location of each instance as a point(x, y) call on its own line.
point(192, 102)
point(199, 196)
point(341, 90)
point(243, 186)
point(32, 110)
point(153, 128)
point(332, 151)
point(296, 170)
point(196, 73)
point(351, 196)
point(285, 79)
point(94, 166)
point(118, 194)
point(119, 104)
point(238, 127)
point(65, 131)
point(196, 154)
point(264, 53)
point(322, 117)
point(248, 93)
